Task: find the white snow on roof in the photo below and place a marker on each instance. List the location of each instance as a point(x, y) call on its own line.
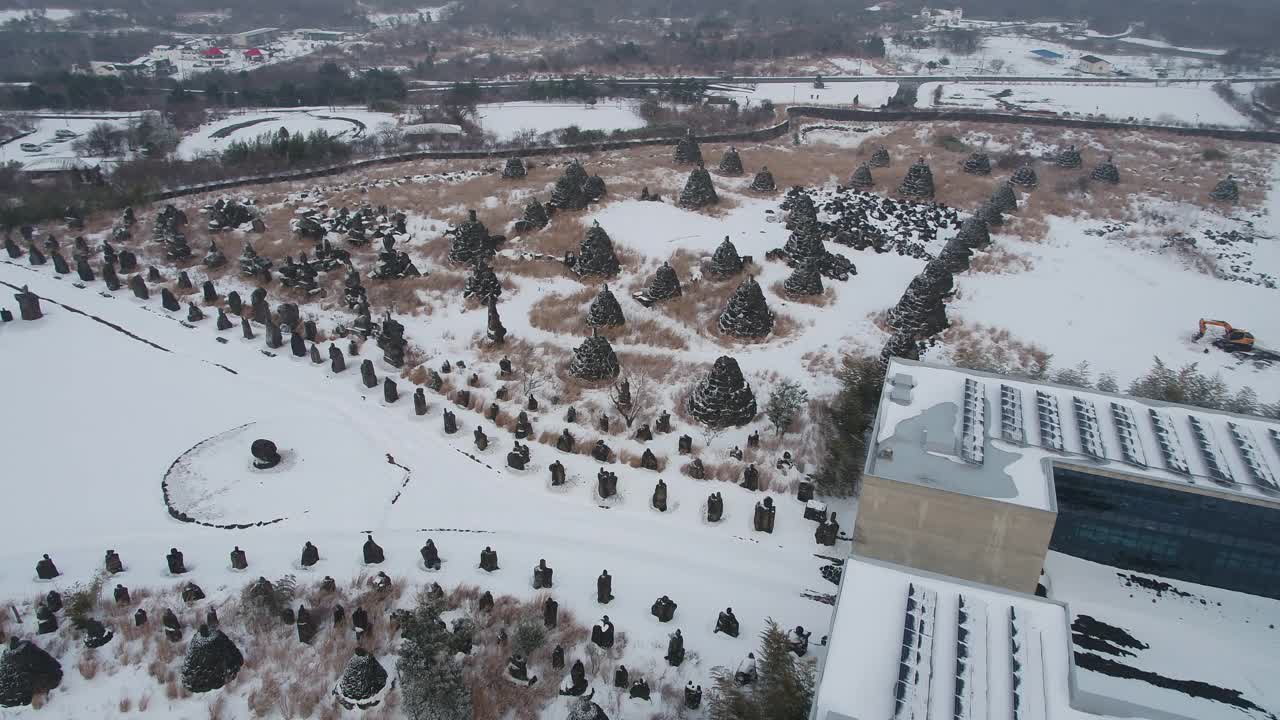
point(1172, 444)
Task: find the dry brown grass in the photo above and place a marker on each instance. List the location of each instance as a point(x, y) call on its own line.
point(988, 348)
point(998, 260)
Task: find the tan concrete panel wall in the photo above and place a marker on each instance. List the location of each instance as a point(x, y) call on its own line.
point(952, 534)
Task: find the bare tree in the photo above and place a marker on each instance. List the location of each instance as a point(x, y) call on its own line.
point(532, 375)
point(631, 398)
point(102, 140)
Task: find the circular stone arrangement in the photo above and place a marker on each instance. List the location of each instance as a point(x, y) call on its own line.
point(238, 477)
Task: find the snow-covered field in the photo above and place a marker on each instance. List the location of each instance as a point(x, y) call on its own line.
point(1198, 105)
point(214, 137)
point(55, 152)
point(867, 94)
point(507, 121)
point(51, 14)
point(409, 17)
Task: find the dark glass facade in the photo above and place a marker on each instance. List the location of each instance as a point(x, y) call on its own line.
point(1173, 534)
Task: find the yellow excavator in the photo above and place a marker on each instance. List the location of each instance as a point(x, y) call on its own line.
point(1232, 340)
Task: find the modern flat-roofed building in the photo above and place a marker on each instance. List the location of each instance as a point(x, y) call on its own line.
point(254, 38)
point(978, 476)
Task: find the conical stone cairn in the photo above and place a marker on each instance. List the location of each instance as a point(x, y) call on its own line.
point(725, 261)
point(482, 284)
point(1004, 199)
point(1025, 177)
point(861, 178)
point(955, 255)
point(880, 158)
point(698, 191)
point(747, 314)
point(687, 151)
point(25, 670)
point(722, 398)
point(593, 188)
point(664, 284)
point(594, 360)
point(1227, 190)
point(363, 678)
point(975, 233)
point(763, 181)
point(470, 241)
point(535, 217)
point(595, 253)
point(568, 192)
point(605, 310)
point(918, 182)
point(805, 280)
point(212, 660)
point(1106, 172)
point(514, 169)
point(978, 164)
point(731, 163)
point(1070, 158)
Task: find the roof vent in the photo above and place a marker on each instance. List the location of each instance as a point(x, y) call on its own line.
point(901, 385)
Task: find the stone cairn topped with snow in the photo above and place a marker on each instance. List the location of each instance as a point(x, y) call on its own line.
point(978, 164)
point(747, 314)
point(975, 233)
point(470, 241)
point(1070, 158)
point(176, 248)
point(362, 680)
point(698, 191)
point(303, 275)
point(583, 708)
point(353, 292)
point(921, 311)
point(1025, 177)
point(482, 284)
point(880, 157)
point(535, 217)
point(861, 178)
point(391, 341)
point(25, 671)
point(806, 240)
point(763, 181)
point(918, 182)
point(169, 220)
point(687, 151)
point(1227, 190)
point(955, 255)
point(212, 659)
point(722, 398)
point(725, 261)
point(594, 360)
point(568, 193)
point(901, 345)
point(1004, 199)
point(594, 188)
point(214, 258)
point(228, 214)
point(989, 214)
point(1106, 172)
point(664, 285)
point(595, 254)
point(514, 169)
point(605, 310)
point(731, 163)
point(805, 280)
point(392, 263)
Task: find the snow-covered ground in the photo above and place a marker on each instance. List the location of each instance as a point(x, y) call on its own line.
point(1149, 42)
point(55, 152)
point(214, 137)
point(509, 120)
point(51, 14)
point(1198, 105)
point(868, 94)
point(409, 17)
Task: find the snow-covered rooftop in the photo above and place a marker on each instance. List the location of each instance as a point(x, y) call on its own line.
point(995, 437)
point(906, 643)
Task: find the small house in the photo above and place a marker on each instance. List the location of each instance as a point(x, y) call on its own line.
point(1095, 65)
point(254, 55)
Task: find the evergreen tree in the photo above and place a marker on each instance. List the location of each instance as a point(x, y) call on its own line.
point(763, 181)
point(595, 253)
point(1025, 177)
point(594, 359)
point(1004, 198)
point(805, 280)
point(482, 283)
point(605, 310)
point(747, 314)
point(431, 682)
point(514, 169)
point(919, 181)
point(1106, 172)
point(849, 416)
point(784, 690)
point(880, 158)
point(687, 151)
point(786, 400)
point(722, 398)
point(725, 261)
point(978, 164)
point(698, 190)
point(731, 163)
point(470, 241)
point(1070, 158)
point(861, 178)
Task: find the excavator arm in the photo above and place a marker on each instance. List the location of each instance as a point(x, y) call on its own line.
point(1232, 338)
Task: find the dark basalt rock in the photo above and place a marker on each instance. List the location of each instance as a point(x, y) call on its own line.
point(363, 677)
point(723, 398)
point(212, 660)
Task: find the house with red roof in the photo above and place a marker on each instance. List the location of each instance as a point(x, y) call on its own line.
point(255, 55)
point(214, 56)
